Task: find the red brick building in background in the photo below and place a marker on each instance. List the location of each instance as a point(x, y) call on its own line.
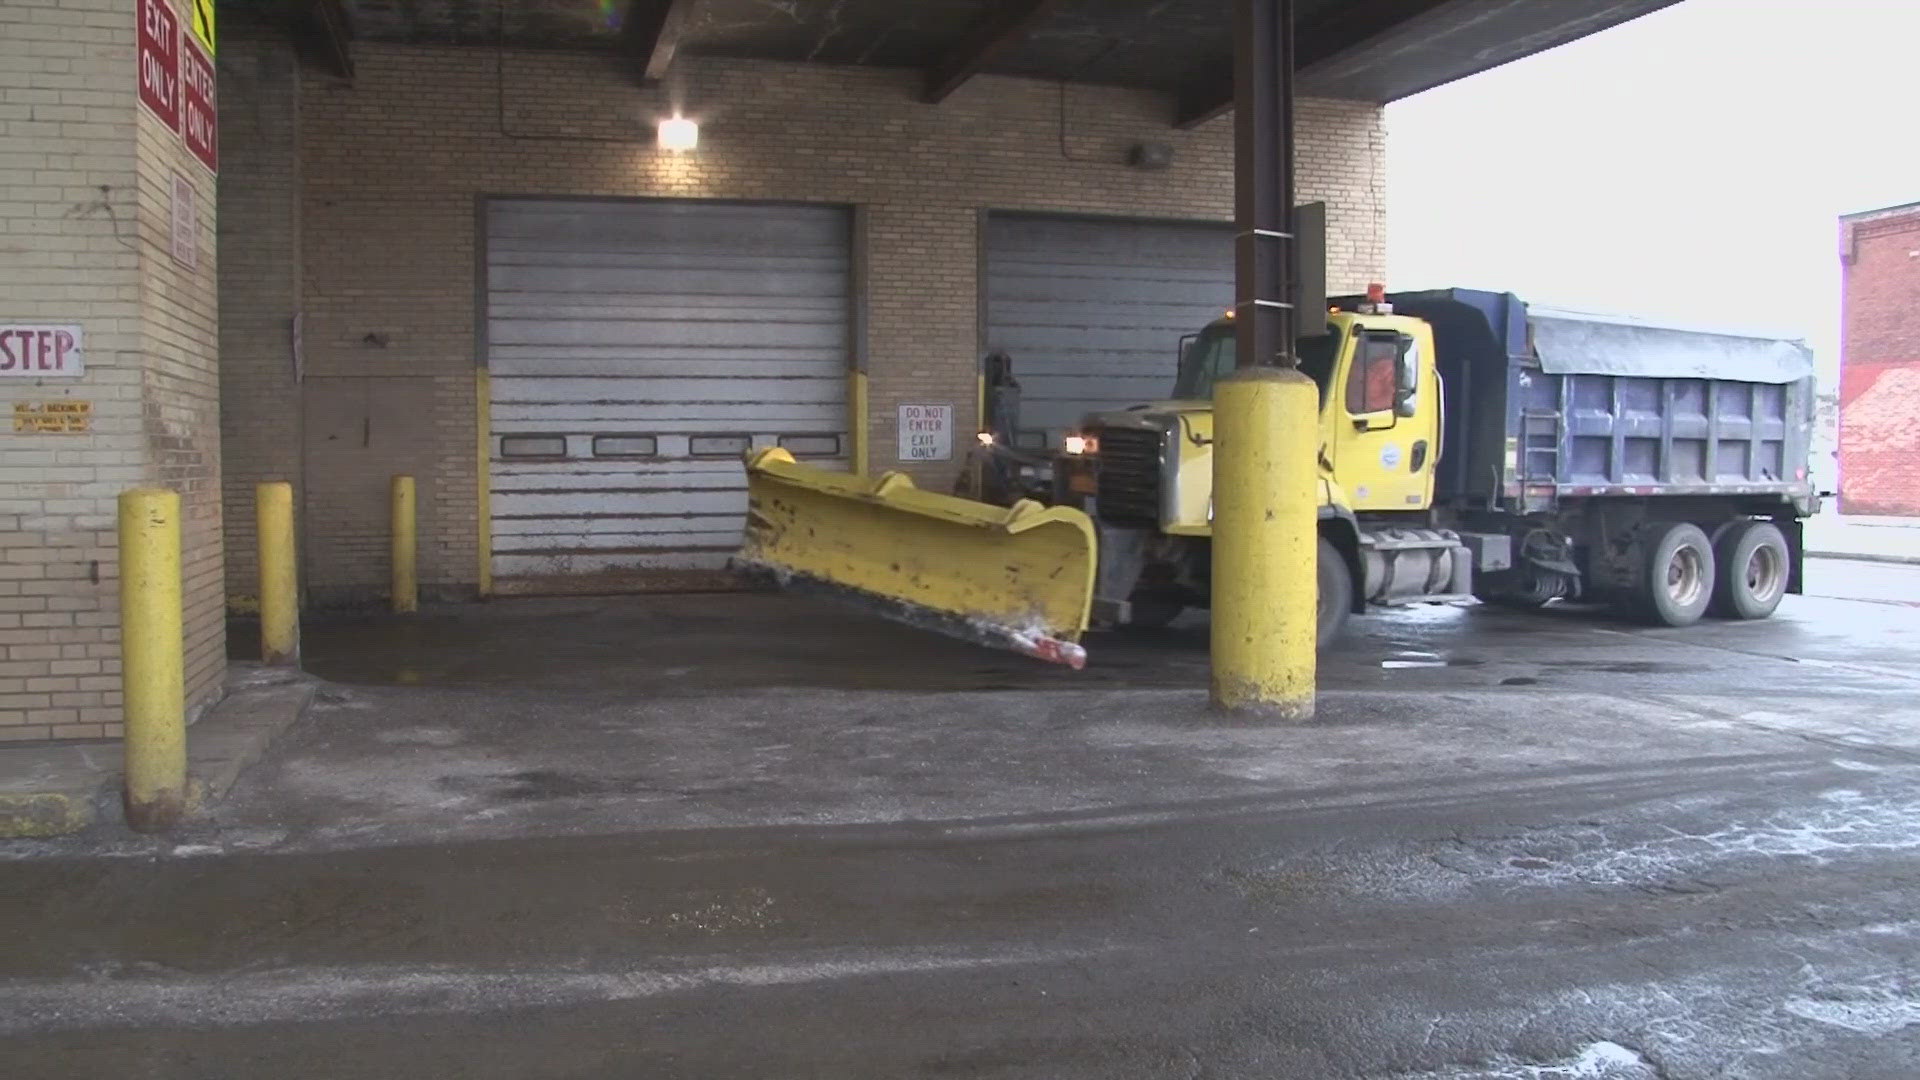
point(1880, 361)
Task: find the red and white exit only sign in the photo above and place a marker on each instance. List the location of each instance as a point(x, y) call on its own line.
point(35, 351)
point(159, 60)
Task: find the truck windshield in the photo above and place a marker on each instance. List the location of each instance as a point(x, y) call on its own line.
point(1212, 355)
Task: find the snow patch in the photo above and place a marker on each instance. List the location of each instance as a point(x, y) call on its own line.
point(1874, 1013)
point(1601, 1060)
point(167, 998)
point(421, 736)
point(1841, 823)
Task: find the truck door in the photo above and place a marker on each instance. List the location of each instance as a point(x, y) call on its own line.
point(1386, 428)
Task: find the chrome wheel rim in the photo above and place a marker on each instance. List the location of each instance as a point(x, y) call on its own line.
point(1686, 576)
point(1765, 573)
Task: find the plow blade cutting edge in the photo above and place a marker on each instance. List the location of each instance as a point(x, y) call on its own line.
point(1017, 578)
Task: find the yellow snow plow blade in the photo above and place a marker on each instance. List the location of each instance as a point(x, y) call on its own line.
point(1019, 578)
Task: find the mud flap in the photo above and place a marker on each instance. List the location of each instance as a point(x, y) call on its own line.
point(1018, 578)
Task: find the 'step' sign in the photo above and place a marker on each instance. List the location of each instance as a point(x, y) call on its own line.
point(33, 351)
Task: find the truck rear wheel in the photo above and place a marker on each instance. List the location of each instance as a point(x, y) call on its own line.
point(1679, 579)
point(1753, 562)
point(1336, 594)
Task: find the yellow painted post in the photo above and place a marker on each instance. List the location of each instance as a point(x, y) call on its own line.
point(406, 583)
point(857, 422)
point(483, 495)
point(1265, 543)
point(152, 661)
point(279, 581)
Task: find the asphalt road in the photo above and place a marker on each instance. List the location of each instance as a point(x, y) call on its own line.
point(1516, 847)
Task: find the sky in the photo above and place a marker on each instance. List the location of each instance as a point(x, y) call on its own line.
point(1688, 165)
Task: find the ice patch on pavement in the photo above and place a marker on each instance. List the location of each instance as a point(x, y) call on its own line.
point(1872, 1013)
point(319, 992)
point(1634, 854)
point(421, 736)
point(1601, 1060)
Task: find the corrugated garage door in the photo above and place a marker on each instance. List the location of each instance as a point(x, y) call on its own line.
point(1092, 311)
point(636, 350)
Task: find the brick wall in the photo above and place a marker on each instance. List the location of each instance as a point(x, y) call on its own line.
point(180, 383)
point(259, 279)
point(1880, 363)
point(85, 181)
point(391, 167)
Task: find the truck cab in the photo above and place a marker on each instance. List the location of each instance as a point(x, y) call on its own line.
point(1379, 433)
point(1145, 474)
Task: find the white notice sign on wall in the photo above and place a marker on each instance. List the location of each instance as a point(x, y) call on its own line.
point(926, 432)
point(185, 219)
point(41, 351)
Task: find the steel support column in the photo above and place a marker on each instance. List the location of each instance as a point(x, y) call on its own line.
point(1266, 424)
point(1263, 180)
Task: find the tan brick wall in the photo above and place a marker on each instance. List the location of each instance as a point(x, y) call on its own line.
point(392, 166)
point(84, 178)
point(180, 391)
point(259, 276)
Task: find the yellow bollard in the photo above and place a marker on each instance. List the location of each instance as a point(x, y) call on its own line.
point(406, 585)
point(857, 423)
point(279, 581)
point(1266, 433)
point(152, 663)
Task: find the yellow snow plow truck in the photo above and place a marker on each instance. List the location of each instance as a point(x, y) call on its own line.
point(1469, 447)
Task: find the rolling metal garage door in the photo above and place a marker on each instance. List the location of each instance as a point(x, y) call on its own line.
point(1092, 311)
point(635, 351)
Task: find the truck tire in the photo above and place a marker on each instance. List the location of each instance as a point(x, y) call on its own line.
point(1336, 594)
point(1754, 564)
point(1678, 582)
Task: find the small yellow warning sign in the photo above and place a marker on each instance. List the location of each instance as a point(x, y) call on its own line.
point(202, 23)
point(53, 417)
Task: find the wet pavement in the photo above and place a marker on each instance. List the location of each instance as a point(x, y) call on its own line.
point(692, 645)
point(748, 836)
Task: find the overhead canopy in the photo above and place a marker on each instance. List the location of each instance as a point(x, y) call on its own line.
point(1574, 343)
point(1372, 50)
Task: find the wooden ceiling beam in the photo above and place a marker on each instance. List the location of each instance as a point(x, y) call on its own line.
point(1006, 25)
point(1336, 30)
point(651, 34)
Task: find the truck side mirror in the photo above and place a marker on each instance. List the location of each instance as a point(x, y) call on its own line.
point(1406, 401)
point(1406, 380)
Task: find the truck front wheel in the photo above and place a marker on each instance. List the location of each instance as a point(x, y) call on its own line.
point(1753, 571)
point(1678, 581)
point(1336, 594)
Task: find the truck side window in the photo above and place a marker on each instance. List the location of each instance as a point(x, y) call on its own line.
point(1371, 379)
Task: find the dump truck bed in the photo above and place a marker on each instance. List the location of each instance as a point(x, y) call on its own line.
point(1545, 405)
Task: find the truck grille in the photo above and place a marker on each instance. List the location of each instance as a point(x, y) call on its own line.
point(1129, 487)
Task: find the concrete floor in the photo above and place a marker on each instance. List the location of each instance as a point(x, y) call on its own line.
point(750, 836)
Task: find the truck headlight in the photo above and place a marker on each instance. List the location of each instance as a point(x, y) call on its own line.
point(1079, 444)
